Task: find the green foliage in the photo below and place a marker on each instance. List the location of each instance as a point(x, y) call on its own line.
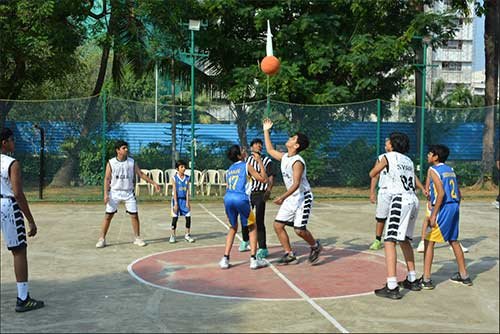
point(30, 167)
point(353, 163)
point(155, 155)
point(468, 172)
point(90, 157)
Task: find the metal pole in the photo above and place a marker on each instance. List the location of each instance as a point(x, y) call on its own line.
point(268, 109)
point(422, 126)
point(193, 140)
point(41, 175)
point(156, 92)
point(103, 139)
point(378, 126)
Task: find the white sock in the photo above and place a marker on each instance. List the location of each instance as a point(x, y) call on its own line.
point(22, 290)
point(392, 282)
point(412, 276)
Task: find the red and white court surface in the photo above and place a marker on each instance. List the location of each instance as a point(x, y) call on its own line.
point(339, 273)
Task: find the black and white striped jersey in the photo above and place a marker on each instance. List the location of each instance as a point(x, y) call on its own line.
point(267, 162)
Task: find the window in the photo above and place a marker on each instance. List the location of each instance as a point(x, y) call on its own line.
point(451, 66)
point(454, 45)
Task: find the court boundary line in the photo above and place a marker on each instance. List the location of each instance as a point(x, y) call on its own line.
point(301, 293)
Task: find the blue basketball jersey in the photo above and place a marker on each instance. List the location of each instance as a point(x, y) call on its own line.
point(237, 179)
point(181, 185)
point(450, 184)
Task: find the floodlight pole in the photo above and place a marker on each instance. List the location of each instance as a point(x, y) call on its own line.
point(192, 27)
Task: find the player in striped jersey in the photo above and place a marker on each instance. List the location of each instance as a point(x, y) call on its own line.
point(13, 206)
point(261, 191)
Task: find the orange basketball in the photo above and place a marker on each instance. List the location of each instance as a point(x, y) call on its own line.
point(270, 65)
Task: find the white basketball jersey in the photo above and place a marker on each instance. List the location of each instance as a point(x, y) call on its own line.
point(122, 174)
point(6, 185)
point(287, 172)
point(400, 173)
point(383, 180)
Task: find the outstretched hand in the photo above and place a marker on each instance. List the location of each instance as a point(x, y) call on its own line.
point(267, 124)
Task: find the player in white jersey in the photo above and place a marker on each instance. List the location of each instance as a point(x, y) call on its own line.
point(402, 214)
point(119, 182)
point(296, 202)
point(13, 206)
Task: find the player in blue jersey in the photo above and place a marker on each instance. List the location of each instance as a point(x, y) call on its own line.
point(237, 202)
point(180, 201)
point(444, 219)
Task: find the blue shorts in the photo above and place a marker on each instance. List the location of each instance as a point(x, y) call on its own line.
point(446, 228)
point(236, 204)
point(182, 209)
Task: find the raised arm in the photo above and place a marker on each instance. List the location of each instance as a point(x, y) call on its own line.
point(266, 126)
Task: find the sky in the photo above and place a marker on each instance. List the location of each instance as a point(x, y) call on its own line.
point(478, 44)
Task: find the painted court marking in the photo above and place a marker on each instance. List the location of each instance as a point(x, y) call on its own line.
point(305, 297)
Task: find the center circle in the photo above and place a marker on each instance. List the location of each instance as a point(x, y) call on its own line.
point(339, 273)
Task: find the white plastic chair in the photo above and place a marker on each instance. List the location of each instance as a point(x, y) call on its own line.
point(159, 177)
point(198, 179)
point(169, 174)
point(140, 182)
point(222, 179)
point(212, 179)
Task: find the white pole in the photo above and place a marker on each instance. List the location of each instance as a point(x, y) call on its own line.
point(156, 92)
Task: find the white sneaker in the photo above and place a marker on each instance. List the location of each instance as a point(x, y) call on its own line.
point(188, 238)
point(172, 239)
point(464, 249)
point(496, 204)
point(224, 263)
point(421, 246)
point(257, 263)
point(139, 242)
point(101, 243)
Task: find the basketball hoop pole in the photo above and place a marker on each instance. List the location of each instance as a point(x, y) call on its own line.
point(268, 109)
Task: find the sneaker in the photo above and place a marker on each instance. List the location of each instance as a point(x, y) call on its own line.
point(101, 243)
point(464, 249)
point(224, 263)
point(426, 285)
point(413, 286)
point(244, 246)
point(188, 238)
point(421, 246)
point(496, 204)
point(172, 239)
point(257, 263)
point(457, 278)
point(29, 304)
point(262, 253)
point(314, 254)
point(388, 293)
point(288, 258)
point(139, 242)
point(376, 245)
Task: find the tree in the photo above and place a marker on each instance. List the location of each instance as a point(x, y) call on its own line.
point(38, 40)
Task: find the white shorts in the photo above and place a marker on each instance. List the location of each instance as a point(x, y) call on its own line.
point(383, 205)
point(13, 230)
point(402, 217)
point(117, 196)
point(296, 212)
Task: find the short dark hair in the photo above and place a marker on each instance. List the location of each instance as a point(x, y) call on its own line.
point(120, 143)
point(442, 151)
point(5, 134)
point(302, 140)
point(256, 141)
point(179, 163)
point(400, 142)
point(233, 153)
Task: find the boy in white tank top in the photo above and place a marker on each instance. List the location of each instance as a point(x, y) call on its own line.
point(296, 202)
point(13, 206)
point(119, 185)
point(403, 212)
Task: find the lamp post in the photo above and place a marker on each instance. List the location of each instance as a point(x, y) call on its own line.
point(423, 69)
point(193, 25)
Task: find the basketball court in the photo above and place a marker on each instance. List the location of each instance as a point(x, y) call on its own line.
point(179, 287)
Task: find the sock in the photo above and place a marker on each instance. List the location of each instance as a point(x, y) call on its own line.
point(226, 256)
point(392, 282)
point(412, 276)
point(253, 257)
point(378, 237)
point(22, 290)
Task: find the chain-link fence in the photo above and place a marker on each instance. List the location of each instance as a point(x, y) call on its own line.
point(345, 139)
